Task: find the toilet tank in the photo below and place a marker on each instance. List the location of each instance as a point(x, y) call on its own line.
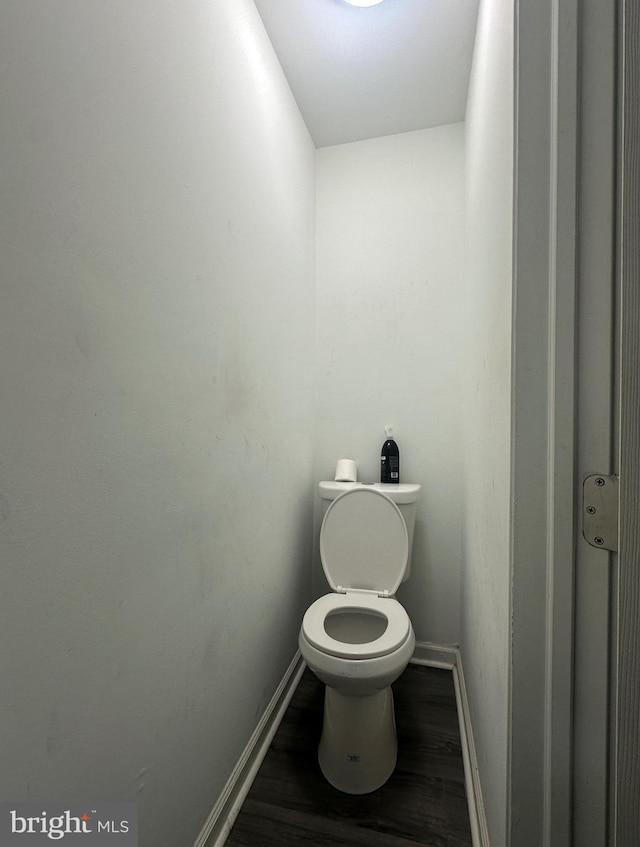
point(404, 495)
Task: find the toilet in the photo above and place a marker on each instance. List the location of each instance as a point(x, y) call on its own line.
point(358, 639)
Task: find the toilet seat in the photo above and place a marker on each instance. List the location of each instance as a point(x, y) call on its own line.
point(394, 636)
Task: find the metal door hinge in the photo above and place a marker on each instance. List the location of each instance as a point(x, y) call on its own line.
point(600, 511)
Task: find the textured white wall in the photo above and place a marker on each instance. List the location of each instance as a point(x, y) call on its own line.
point(155, 359)
point(485, 608)
point(389, 276)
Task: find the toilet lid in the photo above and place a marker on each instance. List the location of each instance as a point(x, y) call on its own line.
point(396, 631)
point(364, 542)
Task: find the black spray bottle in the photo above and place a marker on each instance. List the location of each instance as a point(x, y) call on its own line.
point(390, 459)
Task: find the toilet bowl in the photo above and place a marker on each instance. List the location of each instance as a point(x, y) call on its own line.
point(359, 639)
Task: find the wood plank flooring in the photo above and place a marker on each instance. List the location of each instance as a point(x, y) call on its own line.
point(423, 804)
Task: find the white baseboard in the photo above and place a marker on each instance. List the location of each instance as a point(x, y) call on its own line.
point(435, 655)
point(223, 815)
point(218, 825)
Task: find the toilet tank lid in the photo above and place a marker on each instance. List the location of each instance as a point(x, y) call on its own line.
point(404, 492)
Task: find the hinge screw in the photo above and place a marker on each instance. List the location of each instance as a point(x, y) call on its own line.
point(599, 481)
point(599, 540)
point(591, 510)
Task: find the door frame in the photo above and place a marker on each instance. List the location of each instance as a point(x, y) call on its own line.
point(543, 526)
point(545, 486)
point(596, 415)
point(625, 789)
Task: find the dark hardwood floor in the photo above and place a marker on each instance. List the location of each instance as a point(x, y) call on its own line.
point(423, 803)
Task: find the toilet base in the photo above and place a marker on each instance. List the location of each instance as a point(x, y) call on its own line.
point(358, 748)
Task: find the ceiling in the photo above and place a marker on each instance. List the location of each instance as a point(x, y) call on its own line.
point(365, 72)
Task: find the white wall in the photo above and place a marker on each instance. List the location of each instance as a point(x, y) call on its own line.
point(485, 613)
point(157, 306)
point(389, 296)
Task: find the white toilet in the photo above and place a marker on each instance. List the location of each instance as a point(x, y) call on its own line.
point(359, 639)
